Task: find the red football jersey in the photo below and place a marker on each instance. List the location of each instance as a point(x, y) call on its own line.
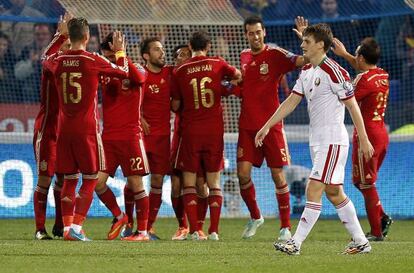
point(261, 75)
point(77, 74)
point(121, 104)
point(371, 93)
point(47, 118)
point(156, 104)
point(197, 84)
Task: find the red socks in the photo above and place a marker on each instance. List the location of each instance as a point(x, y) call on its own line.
point(373, 208)
point(129, 204)
point(215, 201)
point(248, 194)
point(142, 207)
point(178, 206)
point(40, 204)
point(283, 201)
point(108, 198)
point(154, 204)
point(202, 206)
point(190, 206)
point(84, 198)
point(68, 198)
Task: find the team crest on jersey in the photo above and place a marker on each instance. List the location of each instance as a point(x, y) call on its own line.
point(317, 81)
point(154, 88)
point(264, 68)
point(240, 152)
point(162, 81)
point(43, 165)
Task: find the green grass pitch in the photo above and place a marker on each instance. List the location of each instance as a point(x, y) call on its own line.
point(320, 252)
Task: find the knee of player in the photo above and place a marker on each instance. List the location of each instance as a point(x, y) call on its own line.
point(157, 180)
point(244, 177)
point(44, 181)
point(202, 191)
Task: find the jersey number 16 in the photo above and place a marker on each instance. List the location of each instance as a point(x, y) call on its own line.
point(203, 93)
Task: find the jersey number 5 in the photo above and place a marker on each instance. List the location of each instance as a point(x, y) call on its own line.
point(203, 93)
point(72, 77)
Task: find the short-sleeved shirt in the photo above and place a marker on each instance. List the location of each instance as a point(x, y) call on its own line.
point(121, 104)
point(261, 75)
point(371, 93)
point(197, 84)
point(157, 99)
point(325, 87)
point(77, 74)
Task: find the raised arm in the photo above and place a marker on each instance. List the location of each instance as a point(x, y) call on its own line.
point(356, 116)
point(339, 49)
point(60, 37)
point(282, 111)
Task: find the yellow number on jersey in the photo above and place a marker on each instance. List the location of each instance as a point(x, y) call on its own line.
point(203, 93)
point(381, 103)
point(136, 163)
point(72, 77)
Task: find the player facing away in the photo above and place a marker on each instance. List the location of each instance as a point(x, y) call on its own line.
point(156, 122)
point(123, 143)
point(263, 66)
point(79, 145)
point(181, 53)
point(371, 92)
point(327, 89)
point(44, 141)
point(197, 89)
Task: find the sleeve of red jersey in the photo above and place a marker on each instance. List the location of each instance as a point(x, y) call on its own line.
point(361, 88)
point(54, 45)
point(286, 60)
point(104, 66)
point(137, 73)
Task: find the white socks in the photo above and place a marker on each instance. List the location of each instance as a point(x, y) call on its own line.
point(308, 219)
point(347, 214)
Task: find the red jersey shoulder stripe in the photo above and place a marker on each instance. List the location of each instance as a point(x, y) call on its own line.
point(359, 77)
point(377, 75)
point(335, 71)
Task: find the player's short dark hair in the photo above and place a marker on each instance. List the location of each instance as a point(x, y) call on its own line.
point(320, 32)
point(105, 45)
point(78, 28)
point(199, 40)
point(370, 50)
point(145, 45)
point(176, 48)
point(252, 20)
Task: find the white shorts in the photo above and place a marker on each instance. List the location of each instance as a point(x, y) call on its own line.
point(329, 163)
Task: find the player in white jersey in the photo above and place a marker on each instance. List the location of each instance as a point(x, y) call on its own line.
point(328, 90)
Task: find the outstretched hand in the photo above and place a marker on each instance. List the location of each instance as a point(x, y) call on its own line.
point(338, 47)
point(301, 23)
point(63, 23)
point(118, 42)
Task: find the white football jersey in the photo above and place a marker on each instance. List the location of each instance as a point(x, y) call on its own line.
point(325, 86)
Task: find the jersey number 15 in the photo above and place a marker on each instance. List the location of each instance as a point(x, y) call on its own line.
point(72, 77)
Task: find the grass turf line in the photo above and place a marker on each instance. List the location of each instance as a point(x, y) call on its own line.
point(319, 254)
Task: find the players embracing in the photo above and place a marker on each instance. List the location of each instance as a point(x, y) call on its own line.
point(197, 89)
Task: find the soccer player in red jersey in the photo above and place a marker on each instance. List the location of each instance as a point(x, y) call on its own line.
point(180, 54)
point(371, 92)
point(123, 143)
point(79, 145)
point(197, 89)
point(263, 66)
point(44, 142)
point(156, 121)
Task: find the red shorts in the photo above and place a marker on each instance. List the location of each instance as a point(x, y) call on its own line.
point(201, 152)
point(44, 147)
point(158, 153)
point(274, 149)
point(80, 153)
point(363, 171)
point(129, 154)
